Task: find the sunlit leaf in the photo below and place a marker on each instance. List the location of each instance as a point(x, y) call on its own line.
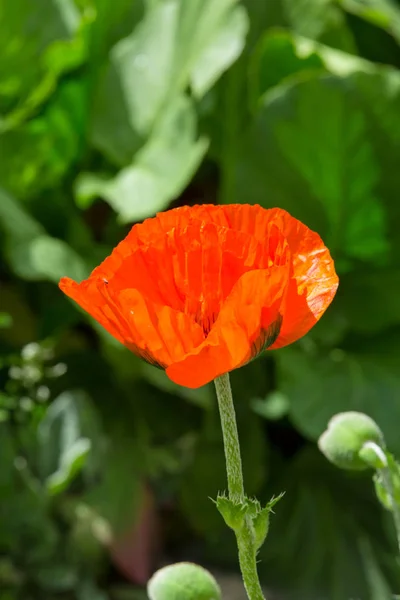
point(321, 20)
point(27, 40)
point(309, 149)
point(160, 170)
point(36, 154)
point(382, 13)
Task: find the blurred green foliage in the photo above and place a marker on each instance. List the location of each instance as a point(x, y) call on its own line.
point(109, 112)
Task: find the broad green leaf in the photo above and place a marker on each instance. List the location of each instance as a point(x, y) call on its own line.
point(160, 171)
point(72, 462)
point(111, 21)
point(111, 131)
point(320, 385)
point(15, 221)
point(32, 254)
point(309, 149)
point(178, 43)
point(144, 62)
point(382, 13)
point(321, 20)
point(281, 54)
point(46, 258)
point(222, 51)
point(275, 58)
point(29, 44)
point(63, 446)
point(36, 154)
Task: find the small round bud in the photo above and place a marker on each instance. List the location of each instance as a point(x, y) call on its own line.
point(183, 581)
point(346, 435)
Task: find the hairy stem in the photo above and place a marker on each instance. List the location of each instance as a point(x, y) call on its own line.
point(387, 482)
point(245, 536)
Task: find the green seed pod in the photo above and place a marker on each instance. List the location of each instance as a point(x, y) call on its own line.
point(183, 581)
point(345, 437)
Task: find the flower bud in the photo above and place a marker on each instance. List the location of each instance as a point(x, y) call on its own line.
point(183, 581)
point(345, 437)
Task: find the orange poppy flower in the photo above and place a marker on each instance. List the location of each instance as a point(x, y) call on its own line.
point(200, 291)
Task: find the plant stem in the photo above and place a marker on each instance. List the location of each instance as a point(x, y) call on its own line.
point(387, 482)
point(244, 537)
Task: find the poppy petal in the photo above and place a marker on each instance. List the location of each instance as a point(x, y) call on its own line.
point(251, 313)
point(160, 333)
point(313, 281)
point(88, 296)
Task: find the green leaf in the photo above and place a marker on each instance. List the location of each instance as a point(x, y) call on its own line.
point(28, 40)
point(223, 49)
point(111, 130)
point(370, 300)
point(171, 47)
point(321, 385)
point(161, 169)
point(275, 58)
point(15, 221)
point(46, 258)
point(309, 149)
point(178, 43)
point(273, 407)
point(144, 62)
point(36, 154)
point(319, 20)
point(261, 521)
point(32, 254)
point(382, 13)
point(63, 447)
point(72, 462)
point(280, 55)
point(233, 512)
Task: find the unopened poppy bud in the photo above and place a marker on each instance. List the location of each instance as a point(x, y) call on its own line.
point(183, 581)
point(346, 436)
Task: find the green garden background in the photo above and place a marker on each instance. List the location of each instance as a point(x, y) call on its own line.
point(112, 110)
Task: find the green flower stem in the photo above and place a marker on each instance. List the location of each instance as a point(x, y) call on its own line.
point(388, 485)
point(387, 482)
point(244, 536)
